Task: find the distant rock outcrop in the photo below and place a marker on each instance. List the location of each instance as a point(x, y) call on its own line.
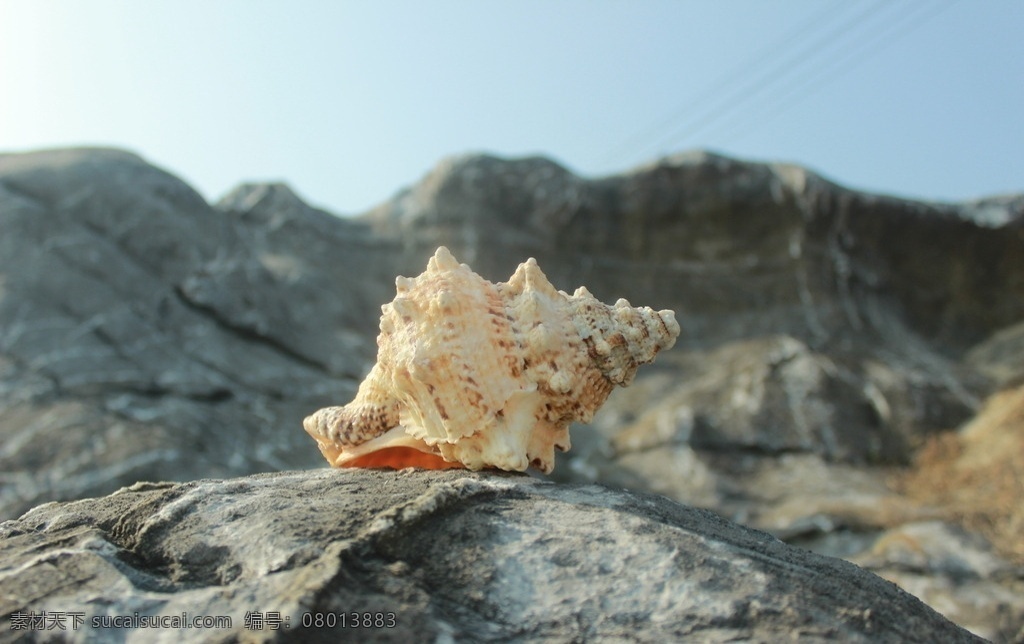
point(737, 248)
point(432, 557)
point(827, 334)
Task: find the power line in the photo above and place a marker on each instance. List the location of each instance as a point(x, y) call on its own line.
point(762, 56)
point(729, 103)
point(839, 65)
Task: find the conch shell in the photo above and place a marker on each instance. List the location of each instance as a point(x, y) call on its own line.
point(474, 374)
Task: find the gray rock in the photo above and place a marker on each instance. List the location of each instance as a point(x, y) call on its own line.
point(739, 249)
point(1001, 356)
point(956, 571)
point(770, 396)
point(144, 334)
point(439, 556)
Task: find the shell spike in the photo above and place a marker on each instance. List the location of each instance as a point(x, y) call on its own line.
point(535, 278)
point(403, 284)
point(442, 260)
point(405, 306)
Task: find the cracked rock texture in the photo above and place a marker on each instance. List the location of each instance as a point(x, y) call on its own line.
point(146, 335)
point(833, 343)
point(454, 556)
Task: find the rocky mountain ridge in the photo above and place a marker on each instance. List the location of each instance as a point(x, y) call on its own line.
point(827, 334)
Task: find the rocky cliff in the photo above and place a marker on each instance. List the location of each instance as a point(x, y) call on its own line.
point(828, 335)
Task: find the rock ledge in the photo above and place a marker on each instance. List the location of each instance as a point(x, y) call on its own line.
point(455, 556)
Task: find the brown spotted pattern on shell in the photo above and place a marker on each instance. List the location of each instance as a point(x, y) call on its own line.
point(474, 374)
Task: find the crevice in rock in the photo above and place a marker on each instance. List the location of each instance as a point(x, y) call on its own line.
point(247, 333)
point(750, 450)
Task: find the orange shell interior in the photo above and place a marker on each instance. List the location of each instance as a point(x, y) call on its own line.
point(399, 457)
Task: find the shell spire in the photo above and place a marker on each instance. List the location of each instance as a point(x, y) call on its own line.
point(474, 374)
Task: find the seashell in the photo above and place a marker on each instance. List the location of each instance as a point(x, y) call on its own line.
point(474, 374)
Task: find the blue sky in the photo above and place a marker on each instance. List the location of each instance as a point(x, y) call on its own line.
point(350, 101)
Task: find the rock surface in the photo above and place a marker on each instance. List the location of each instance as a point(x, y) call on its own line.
point(147, 335)
point(830, 337)
point(453, 556)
